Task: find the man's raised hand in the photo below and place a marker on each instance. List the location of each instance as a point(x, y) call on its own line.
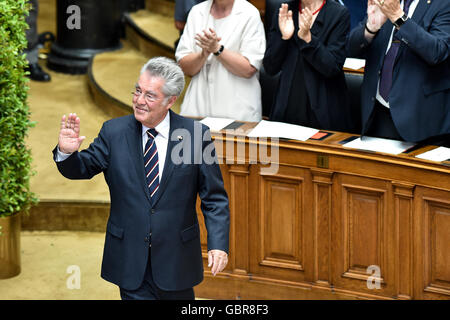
point(69, 139)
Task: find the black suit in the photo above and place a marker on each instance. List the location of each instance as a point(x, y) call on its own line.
point(323, 59)
point(168, 221)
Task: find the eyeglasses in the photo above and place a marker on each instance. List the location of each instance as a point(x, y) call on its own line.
point(149, 98)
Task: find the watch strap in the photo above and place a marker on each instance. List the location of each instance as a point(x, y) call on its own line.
point(219, 51)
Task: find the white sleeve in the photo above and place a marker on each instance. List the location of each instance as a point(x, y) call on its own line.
point(187, 45)
point(253, 41)
point(61, 156)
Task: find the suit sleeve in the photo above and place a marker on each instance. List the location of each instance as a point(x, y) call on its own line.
point(214, 199)
point(357, 43)
point(276, 49)
point(328, 59)
point(433, 46)
point(86, 163)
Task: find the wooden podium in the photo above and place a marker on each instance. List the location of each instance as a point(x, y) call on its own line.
point(332, 223)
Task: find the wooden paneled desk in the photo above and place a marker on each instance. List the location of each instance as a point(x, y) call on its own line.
point(332, 223)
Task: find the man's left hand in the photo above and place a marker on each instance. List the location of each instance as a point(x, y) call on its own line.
point(217, 260)
point(391, 8)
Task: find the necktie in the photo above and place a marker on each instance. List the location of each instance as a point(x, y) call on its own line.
point(151, 163)
point(389, 59)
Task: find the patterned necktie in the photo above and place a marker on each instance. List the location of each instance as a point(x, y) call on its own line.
point(151, 163)
point(389, 59)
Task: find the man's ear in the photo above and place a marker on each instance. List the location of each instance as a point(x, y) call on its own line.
point(171, 102)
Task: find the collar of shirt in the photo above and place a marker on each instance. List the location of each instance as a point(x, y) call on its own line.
point(162, 128)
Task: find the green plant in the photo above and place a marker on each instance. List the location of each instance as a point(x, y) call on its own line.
point(15, 157)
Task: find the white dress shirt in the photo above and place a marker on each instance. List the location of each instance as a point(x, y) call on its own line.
point(161, 140)
point(410, 13)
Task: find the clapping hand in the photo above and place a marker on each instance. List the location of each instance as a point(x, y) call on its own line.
point(69, 135)
point(208, 41)
point(375, 16)
point(305, 20)
point(390, 8)
point(285, 22)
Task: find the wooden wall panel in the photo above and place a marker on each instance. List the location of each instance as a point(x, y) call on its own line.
point(281, 249)
point(432, 243)
point(403, 194)
point(362, 234)
point(239, 218)
point(322, 181)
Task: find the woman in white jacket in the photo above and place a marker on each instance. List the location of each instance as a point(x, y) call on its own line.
point(222, 48)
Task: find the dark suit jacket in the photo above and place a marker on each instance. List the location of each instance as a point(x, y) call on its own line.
point(324, 58)
point(420, 95)
point(176, 255)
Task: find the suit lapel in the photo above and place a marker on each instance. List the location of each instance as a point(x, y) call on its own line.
point(421, 9)
point(134, 139)
point(168, 164)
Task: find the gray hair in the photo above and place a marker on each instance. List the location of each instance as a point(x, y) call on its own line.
point(168, 70)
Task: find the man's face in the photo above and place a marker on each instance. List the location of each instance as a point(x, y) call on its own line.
point(149, 102)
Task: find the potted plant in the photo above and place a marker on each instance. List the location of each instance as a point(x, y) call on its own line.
point(15, 157)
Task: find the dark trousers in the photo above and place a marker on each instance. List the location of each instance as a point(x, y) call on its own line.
point(381, 124)
point(31, 19)
point(32, 49)
point(150, 291)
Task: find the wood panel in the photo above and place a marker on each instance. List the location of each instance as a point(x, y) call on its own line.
point(403, 194)
point(281, 249)
point(322, 182)
point(432, 243)
point(239, 217)
point(362, 234)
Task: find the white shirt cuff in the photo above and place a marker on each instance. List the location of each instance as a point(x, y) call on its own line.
point(61, 156)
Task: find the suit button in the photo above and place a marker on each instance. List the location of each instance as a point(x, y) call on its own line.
point(153, 211)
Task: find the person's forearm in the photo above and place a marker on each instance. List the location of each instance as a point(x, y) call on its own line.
point(357, 44)
point(193, 63)
point(369, 36)
point(236, 63)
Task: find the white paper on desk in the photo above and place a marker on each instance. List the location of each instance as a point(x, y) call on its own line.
point(438, 154)
point(216, 124)
point(354, 64)
point(272, 129)
point(379, 145)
